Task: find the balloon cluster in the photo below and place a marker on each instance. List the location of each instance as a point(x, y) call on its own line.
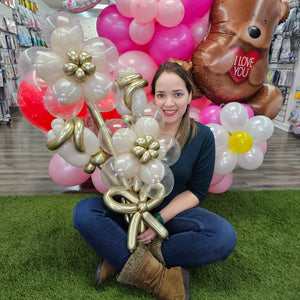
point(240, 141)
point(74, 73)
point(146, 25)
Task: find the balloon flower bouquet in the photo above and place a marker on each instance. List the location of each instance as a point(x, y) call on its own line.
point(133, 155)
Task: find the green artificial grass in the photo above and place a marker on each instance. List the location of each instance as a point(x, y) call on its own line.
point(43, 257)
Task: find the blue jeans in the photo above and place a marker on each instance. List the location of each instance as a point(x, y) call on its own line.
point(196, 236)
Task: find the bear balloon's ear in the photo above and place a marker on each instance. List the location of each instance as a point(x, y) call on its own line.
point(284, 10)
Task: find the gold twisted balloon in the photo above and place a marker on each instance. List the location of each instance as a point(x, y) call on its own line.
point(130, 83)
point(80, 65)
point(137, 205)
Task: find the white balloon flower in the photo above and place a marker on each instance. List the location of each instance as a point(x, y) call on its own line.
point(237, 139)
point(74, 70)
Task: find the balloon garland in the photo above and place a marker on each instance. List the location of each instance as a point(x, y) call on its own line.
point(133, 155)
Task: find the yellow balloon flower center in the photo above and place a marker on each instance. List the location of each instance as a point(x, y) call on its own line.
point(240, 142)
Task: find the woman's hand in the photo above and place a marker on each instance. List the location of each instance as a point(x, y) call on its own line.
point(147, 236)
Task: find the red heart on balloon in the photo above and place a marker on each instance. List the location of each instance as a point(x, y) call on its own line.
point(243, 63)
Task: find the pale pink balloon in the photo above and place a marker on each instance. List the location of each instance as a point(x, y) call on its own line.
point(173, 42)
point(216, 179)
point(263, 146)
point(144, 11)
point(97, 181)
point(249, 109)
point(141, 33)
point(123, 7)
point(199, 29)
point(170, 12)
point(141, 62)
point(223, 185)
point(63, 173)
point(194, 10)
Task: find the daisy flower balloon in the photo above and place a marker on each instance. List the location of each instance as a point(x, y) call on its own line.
point(237, 139)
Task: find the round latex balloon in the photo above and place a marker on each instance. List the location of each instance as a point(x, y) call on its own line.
point(223, 185)
point(234, 116)
point(63, 173)
point(146, 126)
point(260, 128)
point(97, 181)
point(141, 33)
point(173, 42)
point(199, 29)
point(142, 62)
point(31, 104)
point(170, 12)
point(240, 142)
point(210, 114)
point(225, 162)
point(123, 7)
point(144, 11)
point(115, 27)
point(252, 159)
point(194, 10)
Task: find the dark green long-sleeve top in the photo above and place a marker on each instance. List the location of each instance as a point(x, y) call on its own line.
point(194, 169)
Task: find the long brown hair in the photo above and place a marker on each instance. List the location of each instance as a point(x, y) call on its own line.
point(187, 128)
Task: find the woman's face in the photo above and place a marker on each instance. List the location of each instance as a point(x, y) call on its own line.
point(172, 97)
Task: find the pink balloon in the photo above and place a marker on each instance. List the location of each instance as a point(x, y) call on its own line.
point(249, 109)
point(123, 7)
point(170, 12)
point(211, 114)
point(144, 11)
point(194, 10)
point(199, 29)
point(223, 185)
point(201, 103)
point(97, 181)
point(175, 42)
point(141, 33)
point(216, 179)
point(141, 62)
point(263, 146)
point(63, 173)
point(115, 27)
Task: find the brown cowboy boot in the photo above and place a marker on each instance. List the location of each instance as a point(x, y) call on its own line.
point(147, 273)
point(104, 271)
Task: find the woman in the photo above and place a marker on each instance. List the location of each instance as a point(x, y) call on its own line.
point(197, 236)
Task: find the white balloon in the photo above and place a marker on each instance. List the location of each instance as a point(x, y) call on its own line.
point(139, 102)
point(252, 159)
point(67, 91)
point(91, 143)
point(169, 151)
point(126, 165)
point(225, 162)
point(147, 126)
point(104, 54)
point(49, 66)
point(123, 140)
point(95, 88)
point(152, 172)
point(260, 128)
point(78, 6)
point(234, 117)
point(69, 153)
point(221, 137)
point(57, 125)
point(64, 39)
point(121, 107)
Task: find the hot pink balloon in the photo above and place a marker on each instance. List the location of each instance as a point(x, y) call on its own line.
point(141, 33)
point(211, 114)
point(141, 62)
point(223, 185)
point(97, 181)
point(174, 42)
point(123, 7)
point(194, 10)
point(249, 109)
point(170, 12)
point(199, 29)
point(115, 27)
point(144, 11)
point(63, 173)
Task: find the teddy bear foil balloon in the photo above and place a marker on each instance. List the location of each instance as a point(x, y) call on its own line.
point(230, 65)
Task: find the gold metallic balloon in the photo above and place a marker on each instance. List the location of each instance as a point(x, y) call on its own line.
point(78, 134)
point(84, 57)
point(70, 68)
point(129, 90)
point(138, 206)
point(89, 168)
point(80, 75)
point(124, 81)
point(73, 57)
point(88, 68)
